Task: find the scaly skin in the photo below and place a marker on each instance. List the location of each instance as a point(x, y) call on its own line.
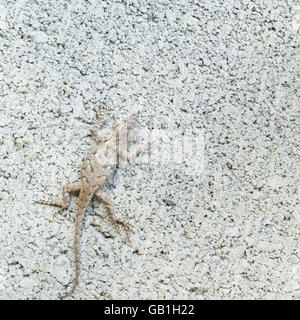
point(96, 171)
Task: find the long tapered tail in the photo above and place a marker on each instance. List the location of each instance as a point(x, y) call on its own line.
point(82, 206)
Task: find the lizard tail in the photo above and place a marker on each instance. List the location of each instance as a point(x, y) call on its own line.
point(82, 206)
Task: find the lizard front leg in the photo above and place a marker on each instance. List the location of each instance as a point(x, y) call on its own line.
point(65, 202)
point(107, 203)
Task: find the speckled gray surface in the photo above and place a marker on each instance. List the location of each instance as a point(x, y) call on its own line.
point(227, 68)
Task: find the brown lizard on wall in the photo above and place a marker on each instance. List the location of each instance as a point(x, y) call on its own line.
point(96, 171)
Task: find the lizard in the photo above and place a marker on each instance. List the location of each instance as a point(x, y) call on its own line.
point(98, 167)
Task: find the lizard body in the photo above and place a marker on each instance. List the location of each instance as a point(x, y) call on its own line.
point(96, 171)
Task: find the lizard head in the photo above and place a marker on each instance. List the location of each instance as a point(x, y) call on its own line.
point(132, 121)
point(133, 127)
point(129, 127)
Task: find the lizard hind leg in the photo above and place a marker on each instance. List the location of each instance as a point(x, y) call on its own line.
point(107, 203)
point(65, 201)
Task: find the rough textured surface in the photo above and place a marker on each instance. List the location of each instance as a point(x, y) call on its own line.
point(228, 68)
